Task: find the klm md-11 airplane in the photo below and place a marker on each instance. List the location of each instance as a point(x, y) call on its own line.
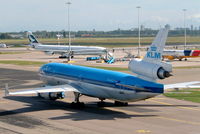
point(104, 84)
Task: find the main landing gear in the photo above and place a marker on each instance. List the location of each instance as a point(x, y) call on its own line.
point(184, 59)
point(77, 103)
point(119, 103)
point(116, 103)
point(101, 103)
point(64, 57)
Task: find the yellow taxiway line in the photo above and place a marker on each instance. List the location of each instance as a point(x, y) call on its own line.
point(169, 104)
point(159, 117)
point(181, 121)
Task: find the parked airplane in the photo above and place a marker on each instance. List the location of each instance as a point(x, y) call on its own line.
point(180, 54)
point(2, 45)
point(64, 51)
point(105, 84)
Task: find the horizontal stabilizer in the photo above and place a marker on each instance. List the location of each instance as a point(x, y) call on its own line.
point(60, 88)
point(183, 85)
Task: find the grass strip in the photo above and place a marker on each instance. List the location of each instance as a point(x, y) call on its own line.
point(12, 52)
point(187, 67)
point(188, 95)
point(106, 42)
point(18, 62)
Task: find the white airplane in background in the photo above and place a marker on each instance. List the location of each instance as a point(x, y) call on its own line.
point(105, 84)
point(64, 51)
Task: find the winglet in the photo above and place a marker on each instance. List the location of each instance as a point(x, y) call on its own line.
point(6, 89)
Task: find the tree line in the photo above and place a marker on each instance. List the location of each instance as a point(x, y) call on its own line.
point(95, 34)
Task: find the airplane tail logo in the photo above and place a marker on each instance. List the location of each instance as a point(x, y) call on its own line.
point(155, 51)
point(32, 38)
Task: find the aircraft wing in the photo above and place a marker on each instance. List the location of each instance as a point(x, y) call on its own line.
point(47, 89)
point(183, 85)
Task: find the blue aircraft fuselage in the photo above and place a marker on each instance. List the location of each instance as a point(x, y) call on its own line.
point(100, 83)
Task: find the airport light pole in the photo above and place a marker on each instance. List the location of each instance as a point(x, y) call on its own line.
point(58, 37)
point(185, 32)
point(139, 45)
point(69, 34)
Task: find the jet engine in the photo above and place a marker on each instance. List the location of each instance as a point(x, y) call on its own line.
point(52, 95)
point(149, 70)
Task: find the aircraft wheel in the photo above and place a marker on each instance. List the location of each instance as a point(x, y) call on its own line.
point(101, 104)
point(77, 105)
point(39, 95)
point(62, 57)
point(53, 98)
point(118, 103)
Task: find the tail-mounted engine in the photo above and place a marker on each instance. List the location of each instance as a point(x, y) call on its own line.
point(150, 71)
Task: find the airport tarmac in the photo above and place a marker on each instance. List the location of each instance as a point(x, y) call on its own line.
point(30, 114)
point(32, 55)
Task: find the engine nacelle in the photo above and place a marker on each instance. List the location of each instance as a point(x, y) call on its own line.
point(49, 53)
point(150, 70)
point(3, 45)
point(52, 96)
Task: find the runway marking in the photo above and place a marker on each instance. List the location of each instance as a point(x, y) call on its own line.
point(177, 120)
point(169, 104)
point(160, 117)
point(143, 131)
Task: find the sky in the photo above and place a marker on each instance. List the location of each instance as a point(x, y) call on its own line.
point(105, 15)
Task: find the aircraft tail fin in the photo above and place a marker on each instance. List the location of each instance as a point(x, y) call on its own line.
point(151, 67)
point(32, 38)
point(155, 51)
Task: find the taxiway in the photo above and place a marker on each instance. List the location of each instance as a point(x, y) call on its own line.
point(30, 114)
